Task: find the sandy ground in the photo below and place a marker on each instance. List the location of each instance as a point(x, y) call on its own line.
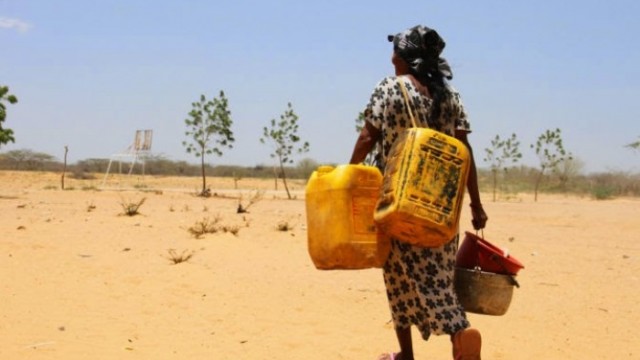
point(78, 280)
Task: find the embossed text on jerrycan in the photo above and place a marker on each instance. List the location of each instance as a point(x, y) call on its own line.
point(424, 182)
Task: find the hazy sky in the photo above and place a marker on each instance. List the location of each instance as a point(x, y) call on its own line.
point(89, 73)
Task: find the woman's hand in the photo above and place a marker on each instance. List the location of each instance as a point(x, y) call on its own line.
point(479, 217)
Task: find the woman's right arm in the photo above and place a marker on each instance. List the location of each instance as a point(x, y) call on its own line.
point(368, 137)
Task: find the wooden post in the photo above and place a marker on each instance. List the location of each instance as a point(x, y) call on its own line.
point(64, 167)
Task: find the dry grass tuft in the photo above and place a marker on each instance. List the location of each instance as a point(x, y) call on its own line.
point(233, 229)
point(176, 258)
point(284, 225)
point(204, 226)
point(131, 208)
point(254, 197)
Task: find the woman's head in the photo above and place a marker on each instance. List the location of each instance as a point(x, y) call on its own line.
point(420, 47)
point(416, 51)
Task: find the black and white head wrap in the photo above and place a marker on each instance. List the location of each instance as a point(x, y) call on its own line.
point(421, 47)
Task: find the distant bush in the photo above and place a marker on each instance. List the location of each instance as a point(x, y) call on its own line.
point(602, 192)
point(567, 179)
point(617, 183)
point(599, 185)
point(79, 174)
point(25, 159)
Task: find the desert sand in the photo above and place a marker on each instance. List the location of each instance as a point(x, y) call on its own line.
point(79, 280)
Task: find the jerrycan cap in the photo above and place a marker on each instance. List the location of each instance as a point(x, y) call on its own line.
point(324, 169)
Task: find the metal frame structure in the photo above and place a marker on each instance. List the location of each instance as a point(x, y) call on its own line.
point(138, 151)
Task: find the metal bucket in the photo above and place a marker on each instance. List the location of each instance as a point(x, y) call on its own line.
point(484, 292)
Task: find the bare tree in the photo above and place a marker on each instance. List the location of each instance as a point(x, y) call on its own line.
point(568, 169)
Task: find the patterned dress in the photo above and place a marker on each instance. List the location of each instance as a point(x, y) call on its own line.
point(419, 281)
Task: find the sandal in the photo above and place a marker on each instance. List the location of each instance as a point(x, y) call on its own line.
point(389, 356)
point(467, 344)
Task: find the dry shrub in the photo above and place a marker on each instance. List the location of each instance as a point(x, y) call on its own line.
point(212, 226)
point(176, 258)
point(254, 197)
point(233, 229)
point(130, 208)
point(204, 226)
point(79, 174)
point(284, 226)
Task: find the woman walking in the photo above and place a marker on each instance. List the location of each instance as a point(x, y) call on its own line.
point(419, 281)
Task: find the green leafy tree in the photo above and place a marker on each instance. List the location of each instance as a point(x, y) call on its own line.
point(209, 131)
point(550, 152)
point(6, 135)
point(501, 153)
point(283, 135)
point(634, 145)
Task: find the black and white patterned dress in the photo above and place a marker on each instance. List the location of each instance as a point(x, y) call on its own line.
point(419, 281)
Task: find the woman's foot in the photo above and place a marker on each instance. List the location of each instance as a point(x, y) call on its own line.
point(390, 356)
point(467, 344)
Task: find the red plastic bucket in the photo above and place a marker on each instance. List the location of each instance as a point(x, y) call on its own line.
point(478, 252)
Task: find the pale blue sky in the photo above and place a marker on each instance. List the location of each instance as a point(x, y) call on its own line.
point(89, 73)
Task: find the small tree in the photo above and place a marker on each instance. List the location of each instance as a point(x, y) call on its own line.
point(283, 135)
point(634, 145)
point(209, 130)
point(500, 154)
point(550, 152)
point(6, 135)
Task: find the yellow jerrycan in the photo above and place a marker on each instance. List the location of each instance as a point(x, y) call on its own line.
point(423, 189)
point(341, 232)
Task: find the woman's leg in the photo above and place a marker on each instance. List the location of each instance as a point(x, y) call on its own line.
point(406, 345)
